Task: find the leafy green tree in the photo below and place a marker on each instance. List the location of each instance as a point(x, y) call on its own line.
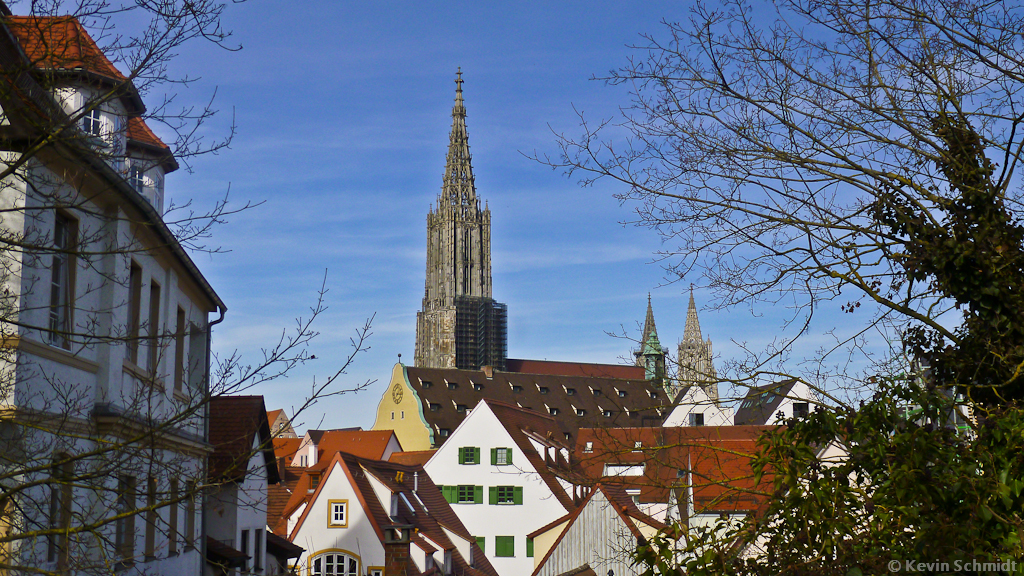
point(912, 489)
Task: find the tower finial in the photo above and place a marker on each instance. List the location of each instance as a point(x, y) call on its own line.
point(460, 107)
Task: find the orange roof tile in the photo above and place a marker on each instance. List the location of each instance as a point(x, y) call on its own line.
point(140, 132)
point(718, 459)
point(417, 457)
point(61, 43)
point(369, 444)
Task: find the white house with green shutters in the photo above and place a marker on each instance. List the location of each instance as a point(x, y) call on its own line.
point(496, 471)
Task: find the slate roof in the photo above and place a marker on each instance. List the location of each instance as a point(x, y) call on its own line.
point(718, 457)
point(576, 401)
point(431, 516)
point(236, 423)
point(761, 402)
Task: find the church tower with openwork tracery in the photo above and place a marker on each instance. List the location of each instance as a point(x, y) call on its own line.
point(459, 325)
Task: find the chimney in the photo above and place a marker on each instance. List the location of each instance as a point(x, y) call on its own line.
point(488, 371)
point(396, 550)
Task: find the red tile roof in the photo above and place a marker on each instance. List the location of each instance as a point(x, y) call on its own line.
point(718, 459)
point(236, 424)
point(140, 132)
point(416, 457)
point(61, 43)
point(556, 368)
point(370, 444)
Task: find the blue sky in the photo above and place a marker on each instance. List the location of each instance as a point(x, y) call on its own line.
point(343, 112)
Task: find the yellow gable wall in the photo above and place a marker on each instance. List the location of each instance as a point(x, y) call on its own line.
point(405, 416)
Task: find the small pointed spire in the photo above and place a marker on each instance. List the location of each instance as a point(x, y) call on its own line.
point(692, 330)
point(649, 326)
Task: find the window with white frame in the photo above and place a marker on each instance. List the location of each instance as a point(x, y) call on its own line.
point(92, 122)
point(338, 513)
point(137, 177)
point(334, 564)
point(62, 276)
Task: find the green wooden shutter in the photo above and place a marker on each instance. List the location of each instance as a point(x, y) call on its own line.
point(529, 547)
point(451, 493)
point(462, 455)
point(481, 541)
point(517, 495)
point(479, 455)
point(494, 456)
point(492, 495)
point(508, 456)
point(478, 494)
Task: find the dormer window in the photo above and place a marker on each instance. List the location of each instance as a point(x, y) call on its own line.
point(516, 389)
point(92, 123)
point(542, 389)
point(425, 384)
point(435, 407)
point(570, 391)
point(478, 387)
point(654, 395)
point(606, 413)
point(460, 408)
point(554, 411)
point(622, 393)
point(452, 385)
point(581, 412)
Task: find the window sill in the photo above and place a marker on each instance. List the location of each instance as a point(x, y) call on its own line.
point(143, 375)
point(50, 352)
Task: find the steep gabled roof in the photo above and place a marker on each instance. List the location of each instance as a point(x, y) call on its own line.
point(526, 427)
point(620, 502)
point(430, 515)
point(761, 402)
point(577, 401)
point(236, 424)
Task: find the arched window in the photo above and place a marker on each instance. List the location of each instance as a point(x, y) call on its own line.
point(334, 564)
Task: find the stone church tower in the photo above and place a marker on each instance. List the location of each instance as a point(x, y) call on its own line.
point(460, 325)
point(695, 364)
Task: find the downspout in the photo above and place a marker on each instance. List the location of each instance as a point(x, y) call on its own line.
point(206, 431)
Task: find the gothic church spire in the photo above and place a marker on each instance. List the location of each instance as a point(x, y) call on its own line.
point(695, 357)
point(459, 187)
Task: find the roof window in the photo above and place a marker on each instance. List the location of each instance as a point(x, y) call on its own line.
point(478, 387)
point(542, 389)
point(606, 413)
point(596, 391)
point(460, 408)
point(516, 389)
point(425, 384)
point(622, 393)
point(654, 395)
point(581, 412)
point(453, 385)
point(554, 411)
point(435, 407)
point(570, 391)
